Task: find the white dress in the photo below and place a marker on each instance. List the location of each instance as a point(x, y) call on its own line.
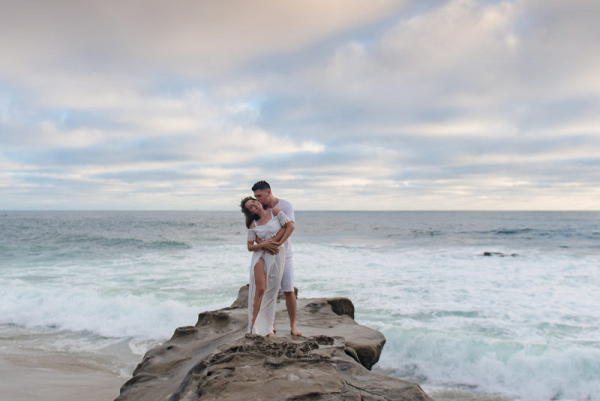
point(274, 265)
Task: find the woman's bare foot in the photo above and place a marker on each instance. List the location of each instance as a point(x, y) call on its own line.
point(274, 329)
point(296, 332)
point(272, 335)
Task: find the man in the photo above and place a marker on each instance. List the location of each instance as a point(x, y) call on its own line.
point(262, 193)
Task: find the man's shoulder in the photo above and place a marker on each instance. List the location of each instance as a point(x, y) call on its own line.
point(287, 208)
point(283, 204)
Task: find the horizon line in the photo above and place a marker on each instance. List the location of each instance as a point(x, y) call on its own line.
point(301, 210)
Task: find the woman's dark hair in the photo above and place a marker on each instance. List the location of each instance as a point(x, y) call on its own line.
point(250, 217)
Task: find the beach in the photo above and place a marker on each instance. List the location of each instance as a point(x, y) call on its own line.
point(54, 376)
point(472, 304)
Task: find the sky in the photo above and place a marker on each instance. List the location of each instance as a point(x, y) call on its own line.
point(338, 104)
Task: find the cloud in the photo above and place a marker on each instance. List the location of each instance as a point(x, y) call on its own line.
point(360, 105)
point(465, 59)
point(195, 38)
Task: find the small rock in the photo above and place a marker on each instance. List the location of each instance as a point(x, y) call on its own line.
point(500, 254)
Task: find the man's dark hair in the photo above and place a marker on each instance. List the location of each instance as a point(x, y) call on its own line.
point(261, 185)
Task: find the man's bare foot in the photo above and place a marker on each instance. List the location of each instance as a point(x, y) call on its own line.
point(296, 332)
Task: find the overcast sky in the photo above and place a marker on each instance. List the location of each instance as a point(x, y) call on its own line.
point(339, 104)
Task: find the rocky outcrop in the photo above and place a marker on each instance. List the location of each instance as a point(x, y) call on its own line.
point(217, 360)
point(500, 254)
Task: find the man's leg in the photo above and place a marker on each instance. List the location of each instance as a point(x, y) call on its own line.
point(290, 303)
point(287, 287)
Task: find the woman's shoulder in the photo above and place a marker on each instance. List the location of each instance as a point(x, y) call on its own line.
point(281, 216)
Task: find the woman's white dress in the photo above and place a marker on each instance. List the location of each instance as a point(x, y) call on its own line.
point(274, 265)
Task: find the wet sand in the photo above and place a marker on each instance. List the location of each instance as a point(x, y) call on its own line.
point(54, 377)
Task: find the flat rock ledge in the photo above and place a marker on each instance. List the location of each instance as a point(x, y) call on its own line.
point(217, 360)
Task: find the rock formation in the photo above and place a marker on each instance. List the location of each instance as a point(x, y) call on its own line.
point(500, 254)
point(217, 360)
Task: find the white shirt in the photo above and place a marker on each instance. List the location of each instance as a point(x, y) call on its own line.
point(287, 208)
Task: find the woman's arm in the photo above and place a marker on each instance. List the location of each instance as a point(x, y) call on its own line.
point(254, 247)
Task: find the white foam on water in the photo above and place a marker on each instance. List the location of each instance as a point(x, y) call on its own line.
point(523, 327)
point(88, 310)
point(145, 297)
point(104, 323)
point(510, 369)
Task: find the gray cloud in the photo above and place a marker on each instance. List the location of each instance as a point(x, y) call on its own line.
point(197, 38)
point(398, 105)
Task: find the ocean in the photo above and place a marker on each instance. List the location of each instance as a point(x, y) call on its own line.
point(522, 323)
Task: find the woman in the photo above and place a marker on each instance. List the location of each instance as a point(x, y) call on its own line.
point(269, 229)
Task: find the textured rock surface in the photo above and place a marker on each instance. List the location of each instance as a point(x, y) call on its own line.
point(217, 360)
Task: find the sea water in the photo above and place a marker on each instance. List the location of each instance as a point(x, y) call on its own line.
point(522, 323)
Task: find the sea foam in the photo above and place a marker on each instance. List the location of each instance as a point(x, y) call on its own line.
point(524, 327)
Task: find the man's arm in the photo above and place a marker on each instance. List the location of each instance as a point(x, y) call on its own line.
point(267, 246)
point(289, 228)
point(275, 238)
point(279, 235)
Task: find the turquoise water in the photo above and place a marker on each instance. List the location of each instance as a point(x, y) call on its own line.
point(524, 327)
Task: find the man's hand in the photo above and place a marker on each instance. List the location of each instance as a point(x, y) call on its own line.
point(270, 246)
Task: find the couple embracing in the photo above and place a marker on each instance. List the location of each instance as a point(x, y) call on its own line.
point(270, 222)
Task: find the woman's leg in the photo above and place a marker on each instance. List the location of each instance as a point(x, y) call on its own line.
point(260, 281)
point(273, 284)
